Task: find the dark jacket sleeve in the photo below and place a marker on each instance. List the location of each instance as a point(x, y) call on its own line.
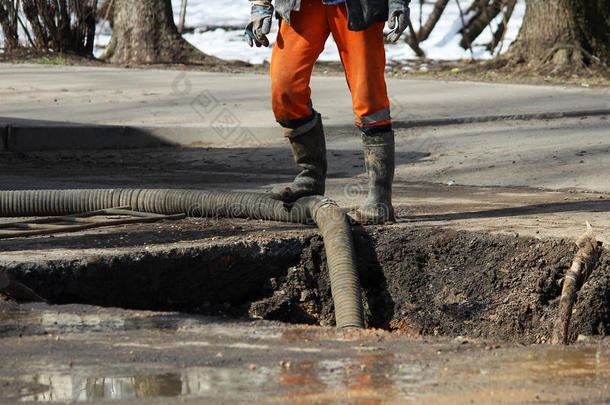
point(362, 13)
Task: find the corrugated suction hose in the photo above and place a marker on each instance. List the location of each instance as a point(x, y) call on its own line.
point(333, 224)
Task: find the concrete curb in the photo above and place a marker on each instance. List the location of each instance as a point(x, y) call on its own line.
point(491, 118)
point(21, 136)
point(26, 138)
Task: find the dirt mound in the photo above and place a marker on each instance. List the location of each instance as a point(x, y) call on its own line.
point(444, 282)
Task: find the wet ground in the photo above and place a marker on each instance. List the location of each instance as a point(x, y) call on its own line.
point(76, 353)
point(464, 286)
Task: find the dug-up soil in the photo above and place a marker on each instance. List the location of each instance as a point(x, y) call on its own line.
point(445, 282)
point(418, 281)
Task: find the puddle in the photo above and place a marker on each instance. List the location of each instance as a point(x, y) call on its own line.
point(580, 366)
point(75, 388)
point(519, 374)
point(18, 322)
point(197, 382)
point(370, 377)
point(266, 362)
point(543, 373)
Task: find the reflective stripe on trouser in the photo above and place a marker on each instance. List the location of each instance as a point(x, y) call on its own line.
point(297, 48)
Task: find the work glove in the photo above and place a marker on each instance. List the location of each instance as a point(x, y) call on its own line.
point(398, 18)
point(259, 26)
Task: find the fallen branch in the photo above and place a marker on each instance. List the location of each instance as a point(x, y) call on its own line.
point(585, 260)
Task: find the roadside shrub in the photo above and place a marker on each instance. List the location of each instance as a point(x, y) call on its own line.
point(56, 25)
point(9, 14)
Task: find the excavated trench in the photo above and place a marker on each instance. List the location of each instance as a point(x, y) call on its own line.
point(418, 281)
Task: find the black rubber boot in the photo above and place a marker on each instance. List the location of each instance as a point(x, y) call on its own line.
point(379, 163)
point(309, 150)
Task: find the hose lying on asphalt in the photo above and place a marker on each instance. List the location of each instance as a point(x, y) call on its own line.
point(333, 224)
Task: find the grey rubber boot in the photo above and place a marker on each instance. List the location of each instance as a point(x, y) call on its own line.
point(309, 149)
point(379, 163)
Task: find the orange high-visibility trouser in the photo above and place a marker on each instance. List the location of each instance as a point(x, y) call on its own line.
point(297, 48)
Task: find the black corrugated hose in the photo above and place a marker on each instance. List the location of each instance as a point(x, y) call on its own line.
point(333, 224)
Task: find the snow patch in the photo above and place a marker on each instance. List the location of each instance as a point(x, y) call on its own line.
point(443, 42)
point(205, 15)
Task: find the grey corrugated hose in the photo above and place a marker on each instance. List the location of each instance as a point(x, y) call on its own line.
point(333, 224)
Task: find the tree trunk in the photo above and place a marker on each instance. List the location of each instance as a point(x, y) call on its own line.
point(144, 32)
point(560, 35)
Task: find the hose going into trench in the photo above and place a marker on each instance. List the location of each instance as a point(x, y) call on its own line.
point(333, 224)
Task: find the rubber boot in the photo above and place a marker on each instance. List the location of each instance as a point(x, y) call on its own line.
point(309, 149)
point(379, 163)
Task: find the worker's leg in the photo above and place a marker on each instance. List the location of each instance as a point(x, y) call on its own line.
point(295, 51)
point(363, 57)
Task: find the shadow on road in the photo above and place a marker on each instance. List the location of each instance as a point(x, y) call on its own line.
point(152, 235)
point(534, 209)
point(194, 167)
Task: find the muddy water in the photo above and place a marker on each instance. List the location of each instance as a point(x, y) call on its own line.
point(542, 373)
point(453, 301)
point(83, 353)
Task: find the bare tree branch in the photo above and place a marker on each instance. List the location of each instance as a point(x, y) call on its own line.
point(498, 36)
point(478, 23)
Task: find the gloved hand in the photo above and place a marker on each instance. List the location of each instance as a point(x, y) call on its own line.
point(259, 26)
point(398, 18)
